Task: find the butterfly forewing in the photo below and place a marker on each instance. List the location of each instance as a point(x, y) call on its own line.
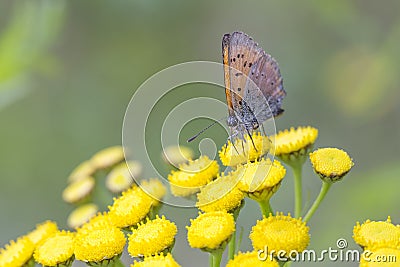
point(243, 53)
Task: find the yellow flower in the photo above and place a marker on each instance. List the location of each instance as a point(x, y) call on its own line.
point(83, 170)
point(251, 259)
point(222, 194)
point(176, 155)
point(154, 188)
point(380, 257)
point(81, 215)
point(260, 179)
point(152, 238)
point(331, 164)
point(77, 191)
point(242, 151)
point(130, 208)
point(99, 244)
point(294, 140)
point(121, 176)
point(192, 176)
point(280, 233)
point(159, 261)
point(56, 250)
point(17, 253)
point(377, 234)
point(98, 221)
point(107, 157)
point(42, 232)
point(211, 230)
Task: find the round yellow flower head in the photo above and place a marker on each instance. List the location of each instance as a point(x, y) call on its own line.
point(222, 194)
point(107, 157)
point(331, 164)
point(294, 140)
point(42, 232)
point(242, 151)
point(176, 155)
point(130, 208)
point(260, 179)
point(192, 176)
point(377, 234)
point(99, 245)
point(152, 238)
point(121, 176)
point(98, 221)
point(154, 188)
point(280, 233)
point(79, 190)
point(251, 259)
point(380, 257)
point(56, 250)
point(17, 253)
point(83, 170)
point(159, 261)
point(211, 230)
point(81, 215)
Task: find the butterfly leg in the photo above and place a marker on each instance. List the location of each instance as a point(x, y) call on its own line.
point(251, 138)
point(263, 130)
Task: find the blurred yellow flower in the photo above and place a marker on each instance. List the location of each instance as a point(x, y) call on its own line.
point(210, 230)
point(42, 232)
point(242, 151)
point(222, 194)
point(79, 190)
point(83, 170)
point(192, 176)
point(152, 237)
point(280, 233)
point(99, 244)
point(377, 234)
point(17, 253)
point(154, 188)
point(251, 259)
point(121, 176)
point(81, 215)
point(56, 250)
point(107, 157)
point(380, 257)
point(260, 179)
point(176, 155)
point(331, 164)
point(294, 140)
point(130, 208)
point(159, 261)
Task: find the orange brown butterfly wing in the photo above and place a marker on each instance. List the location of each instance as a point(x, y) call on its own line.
point(240, 53)
point(264, 90)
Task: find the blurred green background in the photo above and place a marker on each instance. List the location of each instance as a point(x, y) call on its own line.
point(69, 69)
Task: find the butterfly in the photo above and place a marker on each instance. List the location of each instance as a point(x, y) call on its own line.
point(253, 84)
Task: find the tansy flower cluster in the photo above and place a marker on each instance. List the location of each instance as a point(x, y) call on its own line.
point(379, 240)
point(115, 210)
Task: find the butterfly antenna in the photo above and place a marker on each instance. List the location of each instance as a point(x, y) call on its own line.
point(202, 131)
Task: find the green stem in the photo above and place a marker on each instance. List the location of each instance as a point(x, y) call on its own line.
point(118, 263)
point(298, 191)
point(211, 258)
point(324, 190)
point(216, 256)
point(232, 241)
point(265, 207)
point(232, 246)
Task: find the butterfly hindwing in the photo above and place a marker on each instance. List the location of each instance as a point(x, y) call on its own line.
point(264, 89)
